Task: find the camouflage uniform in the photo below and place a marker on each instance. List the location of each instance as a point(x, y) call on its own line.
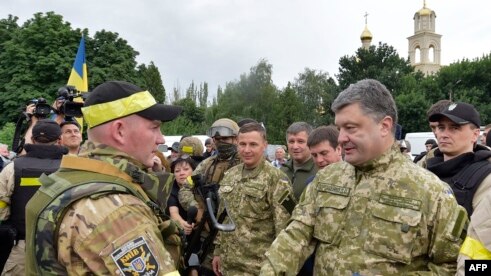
point(103, 233)
point(423, 162)
point(259, 202)
point(385, 217)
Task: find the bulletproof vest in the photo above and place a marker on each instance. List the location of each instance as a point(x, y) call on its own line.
point(52, 201)
point(27, 170)
point(465, 183)
point(215, 169)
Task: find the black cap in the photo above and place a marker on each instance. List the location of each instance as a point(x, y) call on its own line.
point(115, 90)
point(46, 131)
point(459, 113)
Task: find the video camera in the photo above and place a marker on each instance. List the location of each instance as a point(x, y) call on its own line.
point(70, 108)
point(42, 108)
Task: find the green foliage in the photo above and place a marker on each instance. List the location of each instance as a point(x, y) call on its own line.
point(190, 122)
point(36, 61)
point(109, 57)
point(382, 63)
point(152, 81)
point(7, 134)
point(37, 57)
point(316, 91)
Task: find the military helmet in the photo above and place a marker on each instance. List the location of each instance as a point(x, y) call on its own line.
point(191, 146)
point(224, 128)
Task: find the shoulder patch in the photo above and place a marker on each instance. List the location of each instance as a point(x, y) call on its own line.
point(135, 258)
point(287, 201)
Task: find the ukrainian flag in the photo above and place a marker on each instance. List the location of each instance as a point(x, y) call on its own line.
point(78, 76)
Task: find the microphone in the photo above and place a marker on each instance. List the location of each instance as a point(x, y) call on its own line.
point(192, 212)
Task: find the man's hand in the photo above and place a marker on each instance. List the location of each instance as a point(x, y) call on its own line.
point(157, 164)
point(216, 263)
point(188, 228)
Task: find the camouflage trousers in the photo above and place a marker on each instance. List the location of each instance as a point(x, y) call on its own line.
point(15, 264)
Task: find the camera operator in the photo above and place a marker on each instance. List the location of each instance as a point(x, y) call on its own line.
point(63, 109)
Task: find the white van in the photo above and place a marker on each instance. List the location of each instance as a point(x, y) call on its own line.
point(417, 141)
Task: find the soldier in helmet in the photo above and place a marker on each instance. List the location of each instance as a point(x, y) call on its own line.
point(224, 133)
point(191, 147)
point(211, 170)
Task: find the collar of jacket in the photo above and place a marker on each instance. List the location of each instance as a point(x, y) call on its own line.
point(307, 166)
point(43, 151)
point(383, 161)
point(156, 184)
point(451, 167)
point(255, 172)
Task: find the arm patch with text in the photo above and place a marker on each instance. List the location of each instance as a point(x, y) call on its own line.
point(135, 258)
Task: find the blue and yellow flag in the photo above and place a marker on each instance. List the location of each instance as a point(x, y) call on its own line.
point(78, 76)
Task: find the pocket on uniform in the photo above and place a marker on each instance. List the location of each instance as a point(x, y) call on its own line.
point(330, 216)
point(253, 203)
point(392, 232)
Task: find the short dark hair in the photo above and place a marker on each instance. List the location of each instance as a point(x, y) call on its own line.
point(298, 127)
point(437, 107)
point(75, 123)
point(250, 127)
point(246, 121)
point(324, 133)
point(181, 160)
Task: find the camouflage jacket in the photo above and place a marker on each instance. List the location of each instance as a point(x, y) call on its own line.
point(106, 231)
point(386, 217)
point(259, 202)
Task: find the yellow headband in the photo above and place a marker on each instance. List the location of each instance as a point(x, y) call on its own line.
point(98, 114)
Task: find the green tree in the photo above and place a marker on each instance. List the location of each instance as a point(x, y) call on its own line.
point(468, 81)
point(7, 134)
point(109, 57)
point(35, 62)
point(316, 90)
point(37, 57)
point(151, 79)
point(382, 63)
point(190, 122)
point(8, 27)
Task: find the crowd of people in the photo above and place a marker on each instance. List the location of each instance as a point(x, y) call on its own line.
point(343, 199)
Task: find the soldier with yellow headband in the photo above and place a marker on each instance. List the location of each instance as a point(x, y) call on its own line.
point(101, 212)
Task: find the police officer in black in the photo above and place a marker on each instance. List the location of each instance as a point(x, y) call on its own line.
point(18, 183)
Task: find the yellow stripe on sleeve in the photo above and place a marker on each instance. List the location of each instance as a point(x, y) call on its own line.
point(475, 249)
point(30, 181)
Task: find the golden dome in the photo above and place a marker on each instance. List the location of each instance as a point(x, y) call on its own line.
point(366, 34)
point(425, 10)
